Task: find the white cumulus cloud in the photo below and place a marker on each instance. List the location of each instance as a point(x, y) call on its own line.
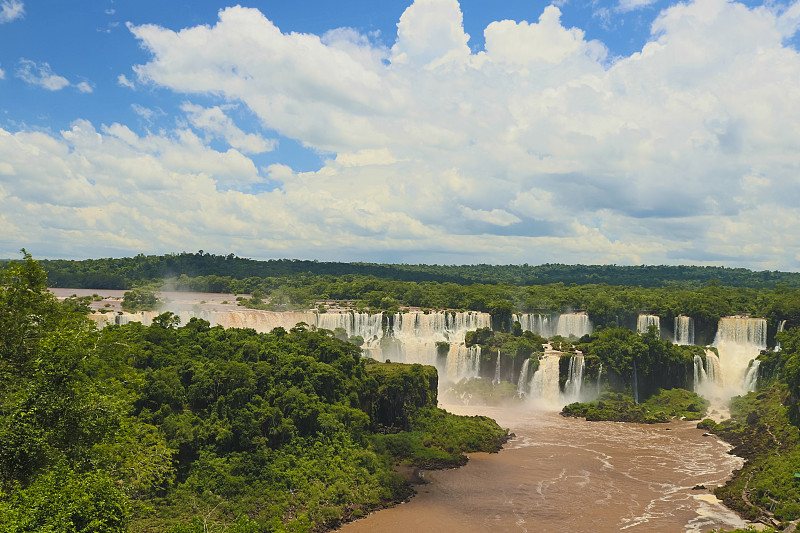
point(629, 5)
point(40, 74)
point(123, 81)
point(214, 121)
point(85, 87)
point(536, 149)
point(11, 10)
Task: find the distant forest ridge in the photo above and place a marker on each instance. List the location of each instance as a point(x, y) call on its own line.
point(125, 272)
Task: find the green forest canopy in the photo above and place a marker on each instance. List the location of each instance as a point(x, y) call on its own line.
point(121, 273)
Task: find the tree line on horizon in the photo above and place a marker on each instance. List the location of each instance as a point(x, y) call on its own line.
point(125, 272)
point(302, 284)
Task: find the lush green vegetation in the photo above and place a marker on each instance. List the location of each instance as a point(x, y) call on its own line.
point(663, 406)
point(195, 428)
point(610, 356)
point(761, 432)
point(658, 363)
point(140, 300)
point(513, 349)
point(121, 273)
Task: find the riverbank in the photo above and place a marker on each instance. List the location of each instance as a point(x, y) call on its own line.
point(765, 488)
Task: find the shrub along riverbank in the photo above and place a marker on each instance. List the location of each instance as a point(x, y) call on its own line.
point(195, 428)
point(663, 406)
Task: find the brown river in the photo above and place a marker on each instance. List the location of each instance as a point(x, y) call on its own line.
point(565, 474)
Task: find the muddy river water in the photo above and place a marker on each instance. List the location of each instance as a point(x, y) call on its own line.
point(564, 474)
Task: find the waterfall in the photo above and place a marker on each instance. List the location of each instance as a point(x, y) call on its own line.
point(544, 383)
point(645, 321)
point(572, 387)
point(417, 334)
point(102, 320)
point(496, 379)
point(411, 339)
point(463, 362)
point(355, 324)
point(781, 325)
point(708, 376)
point(543, 325)
point(574, 324)
point(739, 340)
point(599, 375)
point(522, 383)
point(700, 375)
point(713, 370)
point(751, 376)
point(684, 330)
point(635, 384)
point(566, 325)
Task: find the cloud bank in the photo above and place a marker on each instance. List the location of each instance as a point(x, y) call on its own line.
point(539, 148)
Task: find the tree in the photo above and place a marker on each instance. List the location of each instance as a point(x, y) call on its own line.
point(55, 418)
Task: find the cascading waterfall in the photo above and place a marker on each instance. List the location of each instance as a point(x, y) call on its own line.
point(645, 321)
point(707, 375)
point(355, 324)
point(572, 387)
point(496, 379)
point(566, 325)
point(599, 375)
point(684, 330)
point(738, 341)
point(700, 375)
point(543, 325)
point(751, 376)
point(544, 384)
point(713, 370)
point(708, 378)
point(781, 325)
point(416, 334)
point(522, 383)
point(463, 362)
point(574, 324)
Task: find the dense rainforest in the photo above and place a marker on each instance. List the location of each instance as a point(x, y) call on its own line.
point(122, 273)
point(191, 428)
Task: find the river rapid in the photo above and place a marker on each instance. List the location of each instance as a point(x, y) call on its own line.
point(566, 474)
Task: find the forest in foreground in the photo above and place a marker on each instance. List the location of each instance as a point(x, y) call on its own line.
point(191, 428)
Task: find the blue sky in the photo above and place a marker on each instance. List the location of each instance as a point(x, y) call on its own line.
point(593, 132)
point(92, 44)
